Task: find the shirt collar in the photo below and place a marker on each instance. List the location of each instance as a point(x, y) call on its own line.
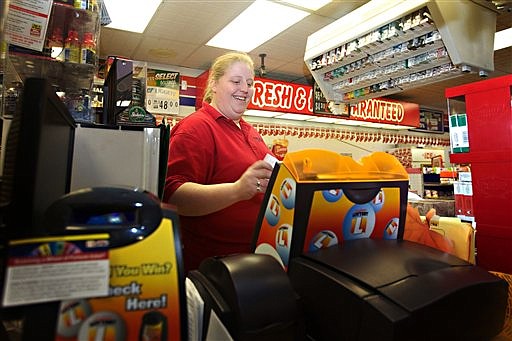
point(215, 114)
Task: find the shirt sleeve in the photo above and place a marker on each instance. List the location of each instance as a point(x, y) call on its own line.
point(191, 157)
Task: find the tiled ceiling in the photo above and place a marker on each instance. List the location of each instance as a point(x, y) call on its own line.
point(179, 30)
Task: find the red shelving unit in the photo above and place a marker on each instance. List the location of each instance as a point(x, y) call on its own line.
point(488, 107)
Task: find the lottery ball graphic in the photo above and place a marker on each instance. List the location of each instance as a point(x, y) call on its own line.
point(332, 195)
point(71, 315)
point(359, 222)
point(322, 240)
point(287, 193)
point(378, 201)
point(391, 229)
point(283, 241)
point(273, 211)
point(103, 325)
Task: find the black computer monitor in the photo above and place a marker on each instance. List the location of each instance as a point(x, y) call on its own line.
point(38, 159)
point(37, 171)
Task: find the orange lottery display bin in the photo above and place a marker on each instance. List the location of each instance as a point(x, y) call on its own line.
point(315, 190)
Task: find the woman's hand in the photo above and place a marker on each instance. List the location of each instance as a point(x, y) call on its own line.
point(254, 180)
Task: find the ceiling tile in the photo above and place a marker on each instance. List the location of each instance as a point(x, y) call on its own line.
point(193, 21)
point(118, 43)
point(162, 50)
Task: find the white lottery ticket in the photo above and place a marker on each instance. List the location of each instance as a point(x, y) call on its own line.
point(271, 160)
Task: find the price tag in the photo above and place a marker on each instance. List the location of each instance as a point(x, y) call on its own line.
point(162, 101)
point(162, 92)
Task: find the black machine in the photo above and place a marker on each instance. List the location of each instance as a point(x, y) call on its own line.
point(396, 290)
point(37, 166)
point(38, 159)
point(252, 297)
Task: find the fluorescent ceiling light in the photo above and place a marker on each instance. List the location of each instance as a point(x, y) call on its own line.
point(131, 15)
point(308, 4)
point(503, 39)
point(261, 21)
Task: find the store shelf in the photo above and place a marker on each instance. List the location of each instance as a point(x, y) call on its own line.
point(22, 63)
point(441, 189)
point(434, 184)
point(376, 58)
point(395, 64)
point(370, 52)
point(63, 75)
point(443, 207)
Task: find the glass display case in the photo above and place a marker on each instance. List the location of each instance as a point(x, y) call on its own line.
point(61, 48)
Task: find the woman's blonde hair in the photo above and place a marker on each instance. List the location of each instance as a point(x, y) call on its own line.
point(219, 67)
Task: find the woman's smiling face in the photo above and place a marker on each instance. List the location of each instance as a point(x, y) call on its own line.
point(233, 91)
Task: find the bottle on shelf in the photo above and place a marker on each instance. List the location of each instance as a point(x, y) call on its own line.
point(55, 44)
point(87, 104)
point(79, 105)
point(72, 47)
point(88, 49)
point(80, 4)
point(92, 5)
point(11, 99)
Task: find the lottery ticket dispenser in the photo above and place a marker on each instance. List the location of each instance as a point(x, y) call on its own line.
point(319, 198)
point(336, 226)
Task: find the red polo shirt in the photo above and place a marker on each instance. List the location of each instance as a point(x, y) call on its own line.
point(208, 148)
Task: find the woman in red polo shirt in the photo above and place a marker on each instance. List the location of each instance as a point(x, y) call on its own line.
point(216, 175)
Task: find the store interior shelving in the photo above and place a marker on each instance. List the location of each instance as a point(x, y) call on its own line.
point(70, 69)
point(399, 47)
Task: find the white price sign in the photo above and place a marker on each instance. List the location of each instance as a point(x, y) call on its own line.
point(162, 100)
point(162, 92)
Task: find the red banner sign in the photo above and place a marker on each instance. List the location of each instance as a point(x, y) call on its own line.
point(273, 95)
point(386, 111)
